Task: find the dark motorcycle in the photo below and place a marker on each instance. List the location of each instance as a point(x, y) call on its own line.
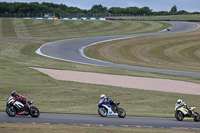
point(14, 108)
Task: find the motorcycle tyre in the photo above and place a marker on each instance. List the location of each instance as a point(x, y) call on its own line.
point(197, 118)
point(33, 114)
point(14, 110)
point(176, 116)
point(101, 114)
point(119, 114)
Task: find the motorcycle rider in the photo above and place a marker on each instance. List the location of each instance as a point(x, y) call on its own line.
point(20, 98)
point(180, 102)
point(108, 100)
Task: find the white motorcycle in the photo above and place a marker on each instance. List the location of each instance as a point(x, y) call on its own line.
point(106, 109)
point(183, 112)
point(14, 108)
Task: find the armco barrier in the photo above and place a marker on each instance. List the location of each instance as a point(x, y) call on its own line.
point(39, 18)
point(80, 18)
point(84, 18)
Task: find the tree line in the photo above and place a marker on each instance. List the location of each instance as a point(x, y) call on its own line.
point(45, 7)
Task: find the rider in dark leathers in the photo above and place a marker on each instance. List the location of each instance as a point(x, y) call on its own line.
point(20, 98)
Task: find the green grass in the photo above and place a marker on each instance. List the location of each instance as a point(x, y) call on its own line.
point(41, 128)
point(50, 30)
point(167, 17)
point(16, 58)
point(174, 51)
point(70, 97)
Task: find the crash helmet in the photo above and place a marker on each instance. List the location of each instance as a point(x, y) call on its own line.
point(102, 96)
point(179, 101)
point(13, 93)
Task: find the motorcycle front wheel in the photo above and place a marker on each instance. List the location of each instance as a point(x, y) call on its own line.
point(121, 113)
point(179, 115)
point(102, 112)
point(11, 111)
point(34, 112)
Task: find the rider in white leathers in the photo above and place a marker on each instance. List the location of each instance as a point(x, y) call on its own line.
point(181, 103)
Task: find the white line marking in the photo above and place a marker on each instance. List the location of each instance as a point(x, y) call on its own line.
point(81, 50)
point(86, 124)
point(100, 125)
point(124, 125)
point(196, 128)
point(136, 126)
point(148, 126)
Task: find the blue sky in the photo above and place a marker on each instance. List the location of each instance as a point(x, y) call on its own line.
point(156, 5)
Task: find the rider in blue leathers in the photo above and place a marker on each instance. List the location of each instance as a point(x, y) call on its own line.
point(109, 100)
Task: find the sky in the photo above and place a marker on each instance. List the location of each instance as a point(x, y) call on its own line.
point(155, 5)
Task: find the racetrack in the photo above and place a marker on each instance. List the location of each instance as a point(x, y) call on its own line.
point(95, 120)
point(72, 49)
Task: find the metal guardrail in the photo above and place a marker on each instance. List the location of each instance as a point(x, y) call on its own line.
point(195, 17)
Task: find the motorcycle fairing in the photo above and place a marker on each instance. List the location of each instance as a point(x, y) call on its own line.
point(183, 110)
point(18, 105)
point(108, 107)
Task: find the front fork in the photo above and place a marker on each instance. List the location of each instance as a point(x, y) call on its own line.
point(12, 108)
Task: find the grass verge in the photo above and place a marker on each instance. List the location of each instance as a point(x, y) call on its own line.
point(52, 30)
point(72, 97)
point(41, 128)
point(173, 51)
point(16, 58)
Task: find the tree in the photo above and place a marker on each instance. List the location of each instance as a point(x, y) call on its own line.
point(98, 9)
point(145, 11)
point(195, 12)
point(173, 9)
point(161, 13)
point(182, 12)
point(116, 10)
point(45, 7)
point(132, 10)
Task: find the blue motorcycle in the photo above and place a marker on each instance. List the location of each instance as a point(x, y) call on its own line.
point(105, 108)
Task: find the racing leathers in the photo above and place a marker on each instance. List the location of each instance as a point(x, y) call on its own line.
point(185, 106)
point(21, 99)
point(111, 102)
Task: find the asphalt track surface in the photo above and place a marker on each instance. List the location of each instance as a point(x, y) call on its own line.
point(72, 49)
point(95, 120)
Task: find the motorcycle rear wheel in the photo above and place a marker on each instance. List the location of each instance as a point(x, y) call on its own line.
point(11, 113)
point(102, 112)
point(179, 115)
point(121, 113)
point(196, 117)
point(34, 112)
